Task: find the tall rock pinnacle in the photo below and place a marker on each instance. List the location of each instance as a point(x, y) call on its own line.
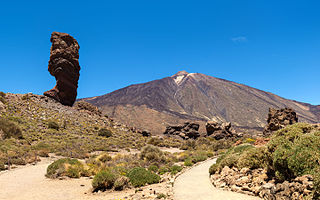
point(64, 66)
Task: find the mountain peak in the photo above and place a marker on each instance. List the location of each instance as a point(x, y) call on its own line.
point(181, 73)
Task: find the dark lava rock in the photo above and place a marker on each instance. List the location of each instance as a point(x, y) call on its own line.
point(220, 130)
point(278, 119)
point(64, 66)
point(186, 131)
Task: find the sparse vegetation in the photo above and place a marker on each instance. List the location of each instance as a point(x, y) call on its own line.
point(9, 129)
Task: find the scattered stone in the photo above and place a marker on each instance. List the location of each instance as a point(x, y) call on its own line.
point(278, 119)
point(85, 106)
point(186, 131)
point(255, 182)
point(64, 66)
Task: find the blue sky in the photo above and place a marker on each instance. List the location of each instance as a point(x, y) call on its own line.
point(267, 44)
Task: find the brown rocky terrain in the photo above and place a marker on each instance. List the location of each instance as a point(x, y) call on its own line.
point(195, 97)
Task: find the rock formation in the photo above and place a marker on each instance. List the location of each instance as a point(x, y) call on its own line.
point(186, 131)
point(278, 119)
point(64, 66)
point(219, 131)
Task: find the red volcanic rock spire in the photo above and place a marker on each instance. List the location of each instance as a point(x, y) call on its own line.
point(64, 66)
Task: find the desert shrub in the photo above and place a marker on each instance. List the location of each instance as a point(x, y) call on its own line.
point(199, 156)
point(2, 167)
point(140, 176)
point(231, 157)
point(174, 169)
point(53, 125)
point(294, 151)
point(188, 144)
point(65, 167)
point(104, 158)
point(105, 132)
point(254, 158)
point(121, 183)
point(188, 162)
point(220, 144)
point(10, 129)
point(161, 196)
point(103, 180)
point(213, 169)
point(163, 169)
point(153, 168)
point(155, 141)
point(152, 154)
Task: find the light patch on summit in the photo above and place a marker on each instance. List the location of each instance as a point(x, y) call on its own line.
point(178, 79)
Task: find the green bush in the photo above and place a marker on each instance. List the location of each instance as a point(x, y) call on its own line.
point(103, 180)
point(295, 151)
point(53, 125)
point(163, 170)
point(213, 169)
point(105, 132)
point(161, 195)
point(175, 169)
point(254, 158)
point(140, 176)
point(153, 168)
point(10, 129)
point(188, 162)
point(65, 167)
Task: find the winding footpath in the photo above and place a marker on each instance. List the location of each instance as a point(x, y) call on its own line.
point(195, 184)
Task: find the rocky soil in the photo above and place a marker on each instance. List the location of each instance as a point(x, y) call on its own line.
point(256, 182)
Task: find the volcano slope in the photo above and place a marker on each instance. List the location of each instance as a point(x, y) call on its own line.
point(195, 97)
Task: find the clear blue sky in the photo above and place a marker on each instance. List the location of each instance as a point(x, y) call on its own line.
point(267, 44)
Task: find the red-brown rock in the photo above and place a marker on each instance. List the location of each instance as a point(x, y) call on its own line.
point(64, 66)
point(278, 119)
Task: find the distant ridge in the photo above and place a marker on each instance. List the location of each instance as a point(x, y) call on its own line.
point(195, 97)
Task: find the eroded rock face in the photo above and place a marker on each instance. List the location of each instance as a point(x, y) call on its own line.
point(64, 66)
point(278, 119)
point(220, 130)
point(186, 131)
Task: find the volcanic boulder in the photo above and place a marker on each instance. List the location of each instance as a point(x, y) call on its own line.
point(278, 119)
point(220, 130)
point(64, 66)
point(186, 131)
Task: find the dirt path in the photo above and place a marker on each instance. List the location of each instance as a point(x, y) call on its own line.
point(195, 184)
point(29, 183)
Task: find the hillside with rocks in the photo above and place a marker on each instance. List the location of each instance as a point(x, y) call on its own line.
point(195, 97)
